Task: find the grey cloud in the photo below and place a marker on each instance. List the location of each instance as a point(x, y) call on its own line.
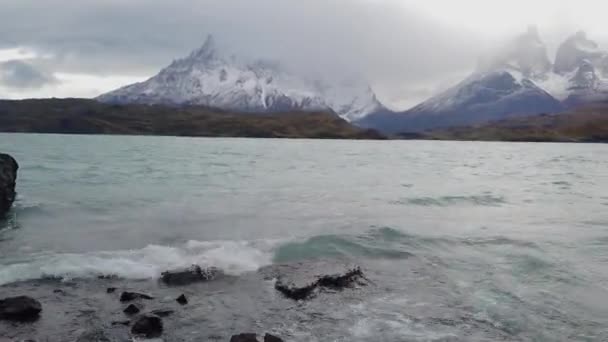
point(385, 42)
point(376, 38)
point(21, 74)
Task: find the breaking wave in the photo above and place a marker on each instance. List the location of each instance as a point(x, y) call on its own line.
point(234, 257)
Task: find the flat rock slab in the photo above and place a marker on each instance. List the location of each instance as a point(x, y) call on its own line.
point(300, 281)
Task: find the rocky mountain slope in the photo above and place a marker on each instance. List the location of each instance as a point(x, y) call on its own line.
point(213, 78)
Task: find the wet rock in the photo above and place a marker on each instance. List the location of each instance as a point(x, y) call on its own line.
point(192, 274)
point(343, 280)
point(8, 178)
point(247, 337)
point(21, 308)
point(301, 281)
point(162, 313)
point(129, 296)
point(295, 291)
point(182, 299)
point(272, 338)
point(132, 309)
point(148, 326)
point(126, 322)
point(110, 290)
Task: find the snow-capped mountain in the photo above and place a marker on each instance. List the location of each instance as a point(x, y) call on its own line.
point(210, 77)
point(519, 80)
point(482, 97)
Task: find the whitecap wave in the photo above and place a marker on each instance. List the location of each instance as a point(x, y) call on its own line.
point(234, 257)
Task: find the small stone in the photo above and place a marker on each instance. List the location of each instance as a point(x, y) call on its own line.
point(148, 326)
point(272, 338)
point(132, 309)
point(182, 299)
point(110, 290)
point(20, 308)
point(247, 337)
point(129, 296)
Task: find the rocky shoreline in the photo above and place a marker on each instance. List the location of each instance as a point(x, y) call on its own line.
point(144, 313)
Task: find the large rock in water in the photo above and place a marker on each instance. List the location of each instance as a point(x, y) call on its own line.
point(8, 177)
point(301, 280)
point(193, 274)
point(20, 309)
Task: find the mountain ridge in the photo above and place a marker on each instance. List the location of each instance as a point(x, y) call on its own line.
point(209, 77)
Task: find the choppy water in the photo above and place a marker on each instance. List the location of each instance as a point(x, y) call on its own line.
point(462, 241)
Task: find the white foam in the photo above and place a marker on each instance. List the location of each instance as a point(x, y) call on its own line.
point(234, 257)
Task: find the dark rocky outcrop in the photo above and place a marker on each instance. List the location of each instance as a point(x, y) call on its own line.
point(110, 290)
point(20, 308)
point(182, 299)
point(300, 281)
point(8, 178)
point(132, 309)
point(129, 296)
point(193, 274)
point(148, 326)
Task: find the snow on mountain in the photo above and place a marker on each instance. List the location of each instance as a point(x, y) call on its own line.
point(519, 80)
point(482, 97)
point(210, 77)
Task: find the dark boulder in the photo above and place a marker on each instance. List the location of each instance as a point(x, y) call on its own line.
point(129, 296)
point(272, 338)
point(148, 326)
point(20, 309)
point(132, 309)
point(8, 178)
point(192, 274)
point(182, 299)
point(162, 312)
point(110, 290)
point(248, 337)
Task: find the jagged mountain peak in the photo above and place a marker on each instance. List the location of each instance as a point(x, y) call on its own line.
point(526, 53)
point(576, 50)
point(211, 77)
point(207, 51)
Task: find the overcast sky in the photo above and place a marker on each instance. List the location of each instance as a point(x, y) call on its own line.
point(407, 49)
